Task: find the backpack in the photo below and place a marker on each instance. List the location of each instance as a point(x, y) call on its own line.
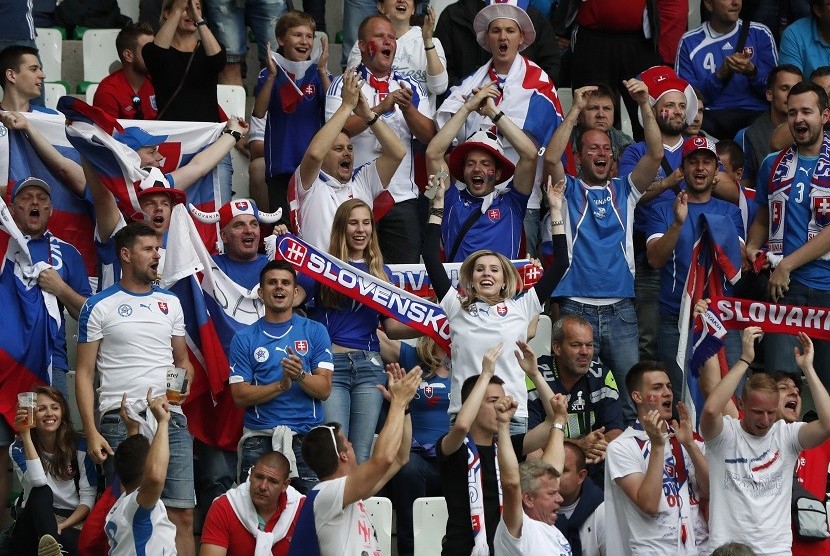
point(809, 515)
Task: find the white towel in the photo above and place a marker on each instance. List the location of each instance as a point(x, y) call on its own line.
point(243, 507)
point(146, 426)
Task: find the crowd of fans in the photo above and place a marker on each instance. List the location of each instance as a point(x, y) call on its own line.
point(445, 142)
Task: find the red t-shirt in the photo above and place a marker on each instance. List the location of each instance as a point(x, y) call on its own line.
point(223, 528)
point(611, 15)
point(811, 470)
point(115, 97)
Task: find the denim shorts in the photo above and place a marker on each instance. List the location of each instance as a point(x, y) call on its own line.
point(178, 486)
point(230, 19)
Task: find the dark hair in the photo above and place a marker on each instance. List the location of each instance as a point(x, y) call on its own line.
point(634, 378)
point(581, 462)
point(470, 383)
point(63, 463)
point(293, 18)
point(783, 68)
point(557, 331)
point(581, 134)
point(731, 149)
point(11, 59)
point(129, 460)
point(128, 37)
point(821, 71)
point(129, 234)
point(804, 87)
point(276, 265)
point(316, 449)
point(781, 375)
point(361, 31)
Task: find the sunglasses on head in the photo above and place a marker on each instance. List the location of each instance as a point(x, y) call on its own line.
point(139, 113)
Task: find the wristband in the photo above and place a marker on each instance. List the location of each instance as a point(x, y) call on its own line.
point(439, 212)
point(498, 116)
point(201, 22)
point(748, 364)
point(429, 47)
point(557, 223)
point(233, 133)
point(373, 120)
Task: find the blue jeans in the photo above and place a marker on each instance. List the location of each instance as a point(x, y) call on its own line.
point(59, 381)
point(669, 340)
point(778, 348)
point(354, 12)
point(354, 401)
point(229, 20)
point(255, 446)
point(646, 291)
point(615, 341)
point(533, 233)
point(418, 478)
point(178, 486)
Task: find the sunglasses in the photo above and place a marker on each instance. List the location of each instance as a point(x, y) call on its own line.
point(139, 113)
point(333, 437)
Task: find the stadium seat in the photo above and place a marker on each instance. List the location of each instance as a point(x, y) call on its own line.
point(232, 100)
point(625, 120)
point(53, 92)
point(100, 56)
point(129, 8)
point(90, 92)
point(50, 47)
point(566, 99)
point(429, 524)
point(380, 513)
point(540, 344)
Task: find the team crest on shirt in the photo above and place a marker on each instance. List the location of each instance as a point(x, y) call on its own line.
point(125, 310)
point(494, 214)
point(473, 309)
point(428, 391)
point(821, 208)
point(163, 307)
point(501, 309)
point(260, 355)
point(301, 347)
point(777, 208)
point(309, 89)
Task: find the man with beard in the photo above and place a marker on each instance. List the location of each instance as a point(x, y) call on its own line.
point(671, 235)
point(404, 106)
point(128, 92)
point(599, 284)
point(793, 212)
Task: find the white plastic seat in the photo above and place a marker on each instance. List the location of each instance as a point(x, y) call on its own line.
point(232, 100)
point(566, 99)
point(90, 93)
point(129, 8)
point(52, 92)
point(625, 120)
point(429, 524)
point(380, 513)
point(100, 54)
point(50, 48)
point(540, 344)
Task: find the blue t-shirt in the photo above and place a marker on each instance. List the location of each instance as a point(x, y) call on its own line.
point(499, 228)
point(702, 52)
point(630, 158)
point(600, 245)
point(674, 272)
point(430, 420)
point(353, 325)
point(287, 135)
point(803, 47)
point(255, 355)
point(798, 214)
point(70, 267)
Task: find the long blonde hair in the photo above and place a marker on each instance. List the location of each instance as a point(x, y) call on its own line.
point(512, 280)
point(425, 348)
point(339, 247)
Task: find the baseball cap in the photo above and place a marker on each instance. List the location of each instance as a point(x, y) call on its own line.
point(136, 138)
point(698, 143)
point(31, 182)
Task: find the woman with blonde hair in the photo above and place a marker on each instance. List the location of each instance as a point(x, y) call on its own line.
point(488, 307)
point(354, 401)
point(59, 480)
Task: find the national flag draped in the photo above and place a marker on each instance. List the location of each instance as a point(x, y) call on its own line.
point(31, 319)
point(288, 73)
point(215, 307)
point(72, 217)
point(91, 132)
point(424, 316)
point(716, 257)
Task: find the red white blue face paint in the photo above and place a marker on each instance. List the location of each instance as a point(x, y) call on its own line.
point(372, 49)
point(664, 114)
point(491, 177)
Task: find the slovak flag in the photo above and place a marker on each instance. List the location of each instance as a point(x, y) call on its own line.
point(288, 74)
point(31, 319)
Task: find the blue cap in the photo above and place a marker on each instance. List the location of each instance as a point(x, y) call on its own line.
point(136, 138)
point(30, 182)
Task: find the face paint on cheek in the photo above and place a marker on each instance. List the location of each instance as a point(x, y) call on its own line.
point(653, 398)
point(664, 114)
point(491, 178)
point(372, 49)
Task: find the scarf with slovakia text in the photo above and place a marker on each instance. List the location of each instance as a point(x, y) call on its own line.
point(716, 257)
point(736, 314)
point(783, 174)
point(419, 314)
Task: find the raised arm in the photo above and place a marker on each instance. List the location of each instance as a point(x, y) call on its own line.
point(164, 36)
point(453, 440)
point(711, 419)
point(364, 480)
point(511, 485)
point(263, 97)
point(402, 457)
point(437, 76)
point(684, 432)
point(392, 149)
point(432, 241)
point(209, 42)
point(550, 278)
point(323, 140)
point(647, 167)
point(646, 489)
point(562, 136)
point(210, 156)
point(420, 125)
point(525, 173)
point(554, 452)
point(155, 466)
point(107, 215)
point(817, 432)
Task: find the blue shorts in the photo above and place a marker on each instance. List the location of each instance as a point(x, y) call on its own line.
point(229, 20)
point(178, 487)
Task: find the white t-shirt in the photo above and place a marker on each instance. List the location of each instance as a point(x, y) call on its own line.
point(135, 331)
point(133, 530)
point(342, 531)
point(751, 481)
point(319, 203)
point(629, 527)
point(367, 147)
point(537, 538)
point(482, 326)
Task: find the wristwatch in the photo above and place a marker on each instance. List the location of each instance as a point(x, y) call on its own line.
point(201, 22)
point(559, 426)
point(235, 134)
point(303, 374)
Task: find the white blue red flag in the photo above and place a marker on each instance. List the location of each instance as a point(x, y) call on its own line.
point(72, 218)
point(91, 132)
point(31, 319)
point(215, 308)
